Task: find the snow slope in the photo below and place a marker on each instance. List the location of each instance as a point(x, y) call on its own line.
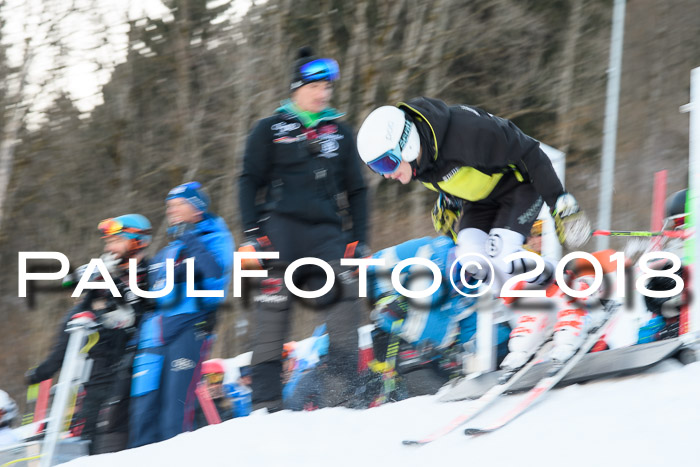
point(650, 419)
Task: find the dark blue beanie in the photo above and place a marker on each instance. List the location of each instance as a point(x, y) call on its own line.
point(193, 193)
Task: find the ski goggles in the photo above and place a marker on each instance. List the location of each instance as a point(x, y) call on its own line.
point(112, 226)
point(388, 162)
point(318, 70)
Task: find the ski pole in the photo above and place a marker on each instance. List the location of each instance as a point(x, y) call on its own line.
point(640, 233)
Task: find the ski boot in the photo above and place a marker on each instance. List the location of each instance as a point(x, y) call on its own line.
point(531, 329)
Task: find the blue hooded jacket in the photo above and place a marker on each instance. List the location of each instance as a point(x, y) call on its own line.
point(211, 245)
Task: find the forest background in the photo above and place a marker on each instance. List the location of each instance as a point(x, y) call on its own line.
point(194, 79)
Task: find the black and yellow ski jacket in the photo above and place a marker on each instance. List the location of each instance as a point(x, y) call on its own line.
point(466, 152)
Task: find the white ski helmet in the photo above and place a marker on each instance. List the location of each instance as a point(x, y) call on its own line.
point(387, 137)
point(8, 407)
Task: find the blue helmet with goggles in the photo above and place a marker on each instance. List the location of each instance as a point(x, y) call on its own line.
point(386, 138)
point(134, 227)
point(308, 69)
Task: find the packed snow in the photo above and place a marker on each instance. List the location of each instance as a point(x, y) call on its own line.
point(650, 419)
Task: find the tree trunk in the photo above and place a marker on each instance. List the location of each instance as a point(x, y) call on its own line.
point(565, 120)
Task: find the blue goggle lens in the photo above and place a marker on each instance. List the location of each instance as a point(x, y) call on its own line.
point(320, 69)
point(386, 163)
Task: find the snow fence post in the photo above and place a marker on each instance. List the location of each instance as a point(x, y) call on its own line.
point(692, 322)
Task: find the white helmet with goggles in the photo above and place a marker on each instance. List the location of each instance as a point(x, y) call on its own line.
point(386, 138)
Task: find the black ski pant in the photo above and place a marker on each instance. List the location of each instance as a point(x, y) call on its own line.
point(96, 393)
point(512, 205)
point(340, 307)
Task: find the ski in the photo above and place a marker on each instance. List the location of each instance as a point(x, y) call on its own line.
point(554, 376)
point(480, 404)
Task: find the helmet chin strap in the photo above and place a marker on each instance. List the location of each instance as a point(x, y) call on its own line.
point(415, 164)
point(414, 168)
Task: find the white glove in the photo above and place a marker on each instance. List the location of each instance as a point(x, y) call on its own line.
point(74, 276)
point(122, 317)
point(566, 205)
point(572, 225)
point(112, 262)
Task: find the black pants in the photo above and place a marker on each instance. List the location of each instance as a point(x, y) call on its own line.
point(341, 307)
point(96, 393)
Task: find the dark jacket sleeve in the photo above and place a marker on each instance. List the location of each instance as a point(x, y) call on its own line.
point(53, 362)
point(254, 174)
point(525, 153)
point(357, 192)
point(542, 175)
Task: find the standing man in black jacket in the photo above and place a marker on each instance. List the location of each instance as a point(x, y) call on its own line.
point(492, 180)
point(304, 162)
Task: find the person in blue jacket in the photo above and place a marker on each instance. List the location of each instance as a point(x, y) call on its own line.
point(434, 330)
point(176, 337)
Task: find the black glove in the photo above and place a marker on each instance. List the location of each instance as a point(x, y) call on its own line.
point(255, 242)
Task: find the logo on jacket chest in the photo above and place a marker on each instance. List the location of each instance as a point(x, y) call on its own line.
point(322, 141)
point(325, 138)
point(282, 128)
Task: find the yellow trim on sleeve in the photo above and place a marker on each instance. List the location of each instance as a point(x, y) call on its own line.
point(468, 183)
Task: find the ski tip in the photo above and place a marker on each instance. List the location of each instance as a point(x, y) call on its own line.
point(411, 442)
point(475, 431)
